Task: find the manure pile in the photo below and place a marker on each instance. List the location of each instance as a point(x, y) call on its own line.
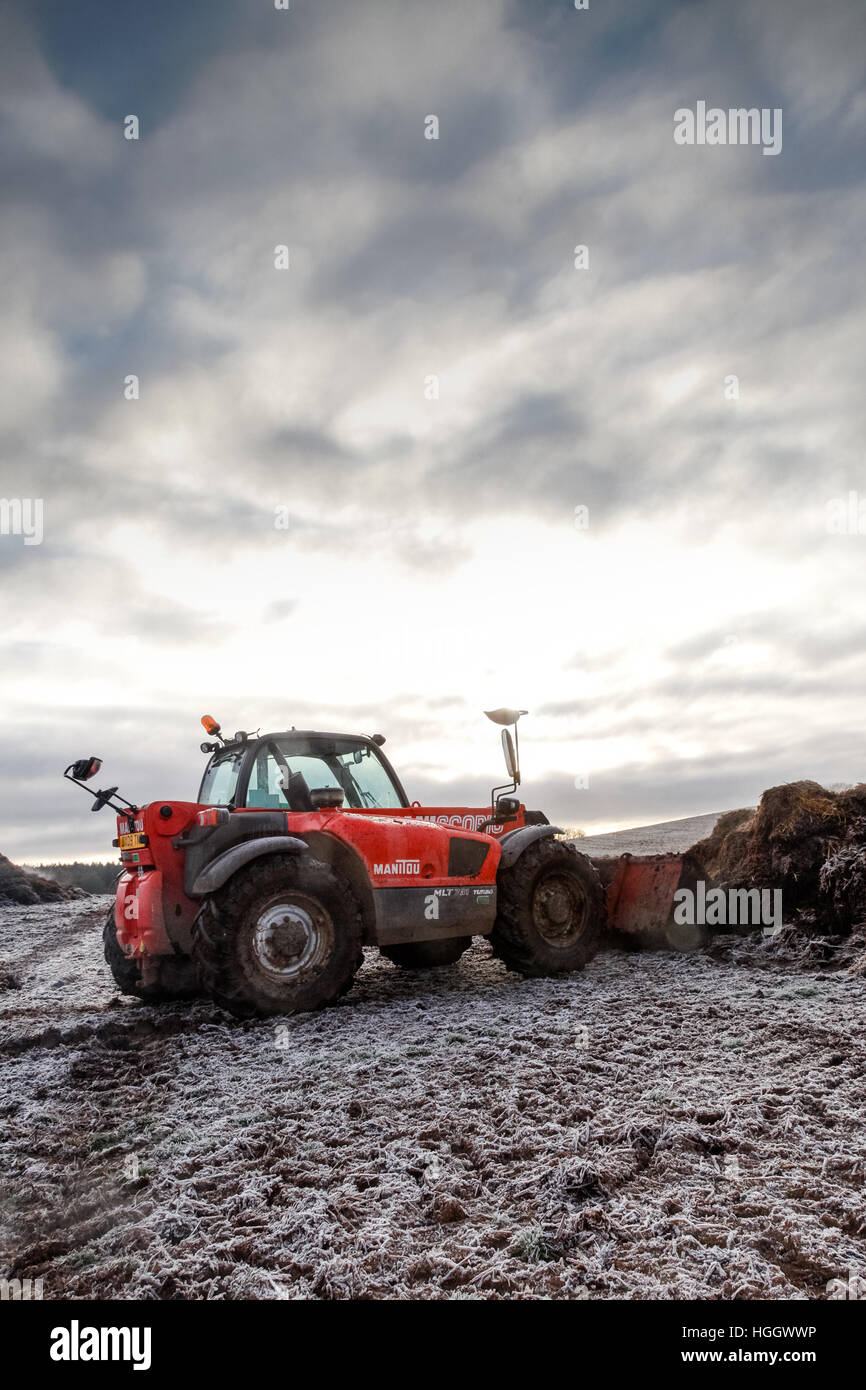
point(24, 889)
point(806, 840)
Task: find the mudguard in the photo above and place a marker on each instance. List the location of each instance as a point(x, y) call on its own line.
point(222, 868)
point(138, 916)
point(516, 841)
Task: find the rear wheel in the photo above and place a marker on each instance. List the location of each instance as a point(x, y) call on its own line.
point(176, 976)
point(550, 910)
point(424, 955)
point(285, 935)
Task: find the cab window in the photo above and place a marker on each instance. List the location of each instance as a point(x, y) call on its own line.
point(310, 764)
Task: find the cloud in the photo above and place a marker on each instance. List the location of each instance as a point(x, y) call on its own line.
point(432, 388)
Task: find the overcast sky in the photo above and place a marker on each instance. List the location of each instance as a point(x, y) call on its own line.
point(701, 639)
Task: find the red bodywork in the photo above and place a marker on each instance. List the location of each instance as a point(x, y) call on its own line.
point(153, 875)
point(400, 859)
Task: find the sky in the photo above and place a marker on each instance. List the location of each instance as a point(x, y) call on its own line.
point(441, 460)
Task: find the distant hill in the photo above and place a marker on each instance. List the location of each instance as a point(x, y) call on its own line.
point(668, 837)
point(25, 888)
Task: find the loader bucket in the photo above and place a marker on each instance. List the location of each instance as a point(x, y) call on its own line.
point(639, 898)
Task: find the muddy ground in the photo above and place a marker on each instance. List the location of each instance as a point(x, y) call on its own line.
point(658, 1126)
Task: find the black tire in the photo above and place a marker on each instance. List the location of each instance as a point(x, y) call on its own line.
point(550, 910)
point(176, 975)
point(284, 935)
point(426, 955)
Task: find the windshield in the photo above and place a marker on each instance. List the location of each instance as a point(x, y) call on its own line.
point(221, 779)
point(286, 770)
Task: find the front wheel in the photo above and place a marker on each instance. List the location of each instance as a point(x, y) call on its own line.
point(285, 935)
point(550, 910)
point(425, 955)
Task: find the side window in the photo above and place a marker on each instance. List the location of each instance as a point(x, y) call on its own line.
point(357, 772)
point(264, 790)
point(315, 771)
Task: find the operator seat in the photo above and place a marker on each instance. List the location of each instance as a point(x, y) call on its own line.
point(298, 793)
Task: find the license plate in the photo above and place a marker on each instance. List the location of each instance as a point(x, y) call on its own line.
point(136, 841)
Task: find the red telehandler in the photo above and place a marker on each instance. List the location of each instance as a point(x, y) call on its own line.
point(303, 847)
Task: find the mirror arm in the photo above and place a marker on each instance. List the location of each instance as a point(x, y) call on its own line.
point(97, 796)
point(507, 787)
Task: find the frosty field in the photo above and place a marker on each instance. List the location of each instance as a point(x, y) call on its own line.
point(657, 1126)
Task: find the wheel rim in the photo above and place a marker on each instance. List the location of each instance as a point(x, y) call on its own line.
point(292, 936)
point(559, 909)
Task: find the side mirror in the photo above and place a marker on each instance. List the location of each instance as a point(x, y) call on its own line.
point(85, 768)
point(510, 757)
point(101, 799)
